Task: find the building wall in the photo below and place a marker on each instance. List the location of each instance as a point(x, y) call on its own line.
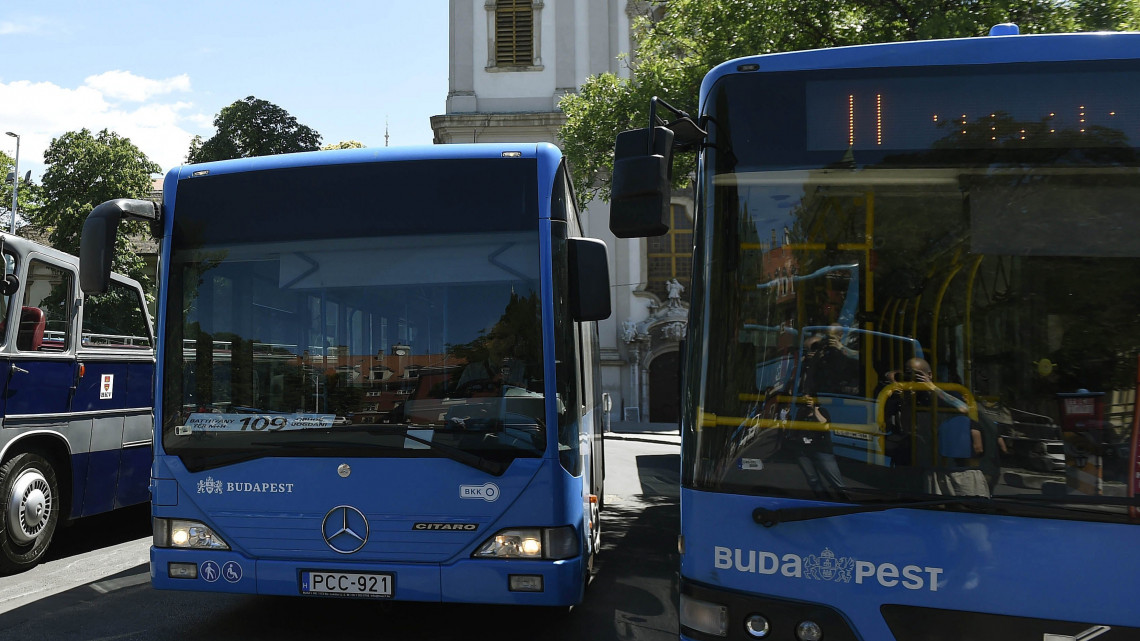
point(574, 39)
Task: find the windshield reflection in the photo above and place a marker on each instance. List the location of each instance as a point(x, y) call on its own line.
point(285, 345)
point(885, 331)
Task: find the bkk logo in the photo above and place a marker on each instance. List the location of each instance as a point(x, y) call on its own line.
point(827, 567)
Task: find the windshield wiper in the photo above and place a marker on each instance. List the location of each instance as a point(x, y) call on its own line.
point(769, 517)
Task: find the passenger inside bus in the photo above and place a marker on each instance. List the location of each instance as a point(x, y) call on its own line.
point(930, 429)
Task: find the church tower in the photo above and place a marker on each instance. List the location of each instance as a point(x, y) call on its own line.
point(511, 62)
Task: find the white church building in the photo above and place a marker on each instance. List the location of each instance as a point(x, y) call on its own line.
point(511, 62)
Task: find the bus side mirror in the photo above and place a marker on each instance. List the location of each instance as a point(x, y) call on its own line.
point(10, 285)
point(97, 245)
point(589, 279)
point(642, 183)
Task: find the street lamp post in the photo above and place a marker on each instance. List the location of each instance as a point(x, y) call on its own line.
point(15, 179)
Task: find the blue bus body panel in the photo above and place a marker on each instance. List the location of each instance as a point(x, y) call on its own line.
point(134, 475)
point(117, 468)
point(930, 558)
point(45, 388)
point(353, 156)
point(104, 475)
point(87, 391)
point(271, 512)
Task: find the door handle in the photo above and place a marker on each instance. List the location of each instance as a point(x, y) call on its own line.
point(17, 368)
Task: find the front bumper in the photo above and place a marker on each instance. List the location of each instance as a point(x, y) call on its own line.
point(464, 581)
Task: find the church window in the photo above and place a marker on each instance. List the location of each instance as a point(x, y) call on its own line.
point(514, 33)
point(671, 256)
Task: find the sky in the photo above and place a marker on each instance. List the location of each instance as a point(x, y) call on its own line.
point(159, 72)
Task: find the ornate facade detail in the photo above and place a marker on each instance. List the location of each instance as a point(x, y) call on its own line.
point(674, 288)
point(674, 331)
point(660, 333)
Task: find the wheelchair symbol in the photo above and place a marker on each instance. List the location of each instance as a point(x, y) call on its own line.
point(232, 571)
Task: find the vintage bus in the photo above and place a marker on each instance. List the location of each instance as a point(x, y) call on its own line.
point(77, 408)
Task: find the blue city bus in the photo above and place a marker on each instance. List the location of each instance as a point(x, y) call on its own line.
point(986, 190)
point(77, 408)
point(378, 375)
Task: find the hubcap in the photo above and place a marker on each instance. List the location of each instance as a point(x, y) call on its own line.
point(29, 506)
point(596, 530)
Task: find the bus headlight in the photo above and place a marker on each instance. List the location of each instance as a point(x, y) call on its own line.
point(188, 535)
point(530, 543)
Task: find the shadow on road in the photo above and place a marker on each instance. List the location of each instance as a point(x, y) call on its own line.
point(659, 474)
point(100, 531)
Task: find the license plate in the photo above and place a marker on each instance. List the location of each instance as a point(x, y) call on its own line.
point(377, 585)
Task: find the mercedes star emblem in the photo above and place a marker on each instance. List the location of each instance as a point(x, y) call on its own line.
point(345, 529)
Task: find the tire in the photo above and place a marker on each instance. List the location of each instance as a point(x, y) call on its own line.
point(31, 504)
point(590, 569)
point(595, 519)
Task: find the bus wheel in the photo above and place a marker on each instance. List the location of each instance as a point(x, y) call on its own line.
point(31, 510)
point(596, 517)
point(595, 540)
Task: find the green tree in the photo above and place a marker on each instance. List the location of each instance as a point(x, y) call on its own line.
point(84, 170)
point(344, 144)
point(252, 127)
point(27, 200)
point(679, 41)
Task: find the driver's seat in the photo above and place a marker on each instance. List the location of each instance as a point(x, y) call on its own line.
point(31, 334)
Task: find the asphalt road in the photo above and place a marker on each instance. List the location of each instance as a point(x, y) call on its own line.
point(95, 583)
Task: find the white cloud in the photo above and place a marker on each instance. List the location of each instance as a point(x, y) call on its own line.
point(124, 85)
point(132, 106)
point(12, 28)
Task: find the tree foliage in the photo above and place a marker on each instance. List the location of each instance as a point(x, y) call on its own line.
point(252, 127)
point(84, 170)
point(26, 201)
point(679, 41)
point(344, 144)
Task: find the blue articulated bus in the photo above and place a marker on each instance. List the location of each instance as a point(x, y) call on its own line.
point(377, 375)
point(77, 408)
point(947, 448)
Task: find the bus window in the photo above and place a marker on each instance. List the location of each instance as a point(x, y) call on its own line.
point(116, 318)
point(45, 317)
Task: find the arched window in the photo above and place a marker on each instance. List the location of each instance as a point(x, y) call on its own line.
point(671, 256)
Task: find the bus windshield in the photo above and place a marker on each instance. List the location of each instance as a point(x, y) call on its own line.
point(414, 337)
point(922, 279)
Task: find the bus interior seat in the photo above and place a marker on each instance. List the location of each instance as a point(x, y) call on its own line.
point(32, 324)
